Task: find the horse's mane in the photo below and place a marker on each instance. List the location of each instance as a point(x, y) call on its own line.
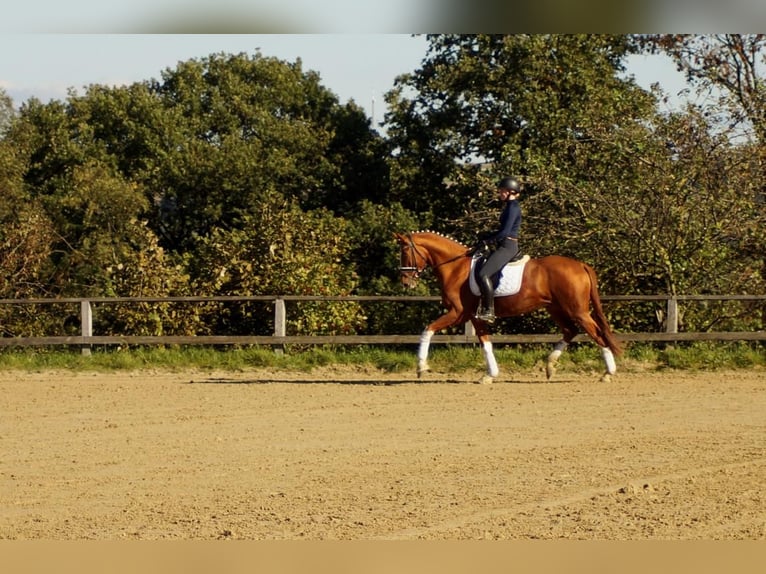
point(439, 234)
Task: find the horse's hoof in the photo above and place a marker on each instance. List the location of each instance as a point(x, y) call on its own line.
point(422, 371)
point(606, 378)
point(486, 380)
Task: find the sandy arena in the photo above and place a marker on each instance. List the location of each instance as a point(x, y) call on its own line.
point(357, 454)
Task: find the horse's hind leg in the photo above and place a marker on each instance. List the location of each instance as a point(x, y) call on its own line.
point(553, 358)
point(590, 327)
point(569, 330)
point(611, 366)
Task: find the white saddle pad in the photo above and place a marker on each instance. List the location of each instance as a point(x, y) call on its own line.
point(510, 277)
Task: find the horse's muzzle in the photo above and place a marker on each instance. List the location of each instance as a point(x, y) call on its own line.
point(409, 278)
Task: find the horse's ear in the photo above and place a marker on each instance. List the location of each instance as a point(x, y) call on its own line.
point(399, 237)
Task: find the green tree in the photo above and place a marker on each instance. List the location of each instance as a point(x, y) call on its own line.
point(481, 106)
point(653, 202)
point(731, 64)
point(129, 126)
point(281, 249)
point(666, 215)
point(135, 179)
point(26, 236)
point(7, 112)
point(250, 125)
point(98, 215)
point(146, 270)
point(730, 67)
point(360, 155)
point(26, 233)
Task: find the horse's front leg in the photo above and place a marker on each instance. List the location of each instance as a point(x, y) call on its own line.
point(482, 332)
point(446, 320)
point(425, 342)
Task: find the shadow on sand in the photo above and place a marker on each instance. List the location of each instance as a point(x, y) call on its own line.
point(308, 380)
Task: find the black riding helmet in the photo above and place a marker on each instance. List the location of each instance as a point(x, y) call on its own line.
point(510, 183)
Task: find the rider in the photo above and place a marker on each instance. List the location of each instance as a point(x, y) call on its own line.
point(506, 238)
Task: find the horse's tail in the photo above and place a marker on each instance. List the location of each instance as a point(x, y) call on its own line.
point(598, 312)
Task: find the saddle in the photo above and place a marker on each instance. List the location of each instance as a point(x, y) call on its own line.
point(507, 281)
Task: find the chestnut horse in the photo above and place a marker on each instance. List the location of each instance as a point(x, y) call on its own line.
point(565, 287)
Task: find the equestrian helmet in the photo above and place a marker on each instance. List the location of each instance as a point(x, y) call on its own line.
point(510, 183)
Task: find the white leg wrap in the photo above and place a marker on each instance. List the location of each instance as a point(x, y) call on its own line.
point(611, 367)
point(559, 348)
point(425, 342)
point(489, 357)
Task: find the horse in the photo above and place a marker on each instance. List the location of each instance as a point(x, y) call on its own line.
point(566, 288)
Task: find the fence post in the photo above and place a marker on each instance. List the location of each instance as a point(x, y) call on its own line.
point(86, 325)
point(672, 320)
point(671, 325)
point(470, 332)
point(280, 322)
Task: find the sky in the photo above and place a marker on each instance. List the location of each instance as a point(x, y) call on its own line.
point(359, 67)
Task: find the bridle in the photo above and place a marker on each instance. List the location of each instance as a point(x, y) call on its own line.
point(415, 252)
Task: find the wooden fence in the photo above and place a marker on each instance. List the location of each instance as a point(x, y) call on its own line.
point(279, 338)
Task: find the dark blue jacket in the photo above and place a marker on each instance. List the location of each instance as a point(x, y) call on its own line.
point(510, 223)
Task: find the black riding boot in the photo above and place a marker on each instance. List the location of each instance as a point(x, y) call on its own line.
point(488, 296)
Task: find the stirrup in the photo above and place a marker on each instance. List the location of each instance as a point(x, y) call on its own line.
point(487, 316)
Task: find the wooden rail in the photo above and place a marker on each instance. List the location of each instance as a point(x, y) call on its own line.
point(280, 338)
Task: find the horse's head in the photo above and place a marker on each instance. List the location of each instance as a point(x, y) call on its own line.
point(423, 249)
point(412, 260)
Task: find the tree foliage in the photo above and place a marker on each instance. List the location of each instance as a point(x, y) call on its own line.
point(512, 104)
point(244, 175)
point(731, 67)
point(141, 183)
point(7, 112)
point(655, 202)
point(732, 64)
point(282, 249)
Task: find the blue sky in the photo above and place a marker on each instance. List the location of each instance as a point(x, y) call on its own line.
point(354, 66)
point(361, 67)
